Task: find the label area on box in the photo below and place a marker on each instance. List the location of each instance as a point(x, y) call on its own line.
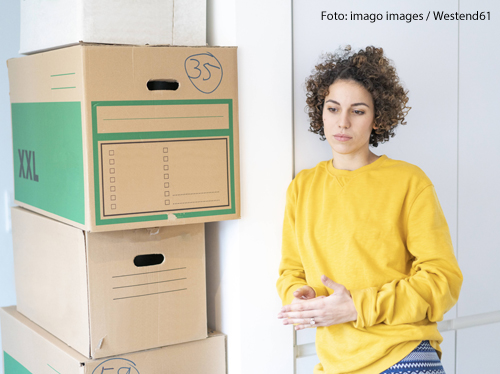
point(156, 158)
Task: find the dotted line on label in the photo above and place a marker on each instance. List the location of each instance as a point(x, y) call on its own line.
point(192, 202)
point(194, 193)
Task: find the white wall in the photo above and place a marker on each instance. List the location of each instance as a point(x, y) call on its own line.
point(243, 255)
point(9, 46)
point(479, 177)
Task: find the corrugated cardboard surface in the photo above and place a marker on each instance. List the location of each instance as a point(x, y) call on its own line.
point(86, 289)
point(95, 148)
point(51, 276)
point(30, 349)
point(27, 346)
point(56, 23)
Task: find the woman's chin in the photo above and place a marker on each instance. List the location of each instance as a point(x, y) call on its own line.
point(343, 149)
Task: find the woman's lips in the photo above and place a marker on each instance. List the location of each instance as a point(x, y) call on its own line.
point(341, 138)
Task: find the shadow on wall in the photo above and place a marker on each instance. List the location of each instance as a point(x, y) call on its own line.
point(213, 261)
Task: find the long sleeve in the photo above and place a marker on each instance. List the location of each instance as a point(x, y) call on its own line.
point(291, 271)
point(435, 281)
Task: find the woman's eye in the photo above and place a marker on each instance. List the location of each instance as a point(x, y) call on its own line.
point(332, 109)
point(359, 112)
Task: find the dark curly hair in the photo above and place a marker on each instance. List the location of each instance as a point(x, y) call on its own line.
point(371, 69)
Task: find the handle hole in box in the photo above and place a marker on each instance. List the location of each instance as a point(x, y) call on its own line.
point(163, 85)
point(149, 260)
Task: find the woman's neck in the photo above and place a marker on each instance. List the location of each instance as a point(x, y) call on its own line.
point(353, 162)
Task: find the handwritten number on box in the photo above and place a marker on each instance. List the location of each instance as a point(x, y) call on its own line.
point(204, 71)
point(116, 366)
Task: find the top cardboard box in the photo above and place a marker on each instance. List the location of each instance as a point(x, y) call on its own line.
point(111, 138)
point(50, 24)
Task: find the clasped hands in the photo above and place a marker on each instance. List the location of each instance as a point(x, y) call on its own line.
point(307, 310)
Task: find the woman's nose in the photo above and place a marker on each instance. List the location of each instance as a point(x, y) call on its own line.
point(344, 122)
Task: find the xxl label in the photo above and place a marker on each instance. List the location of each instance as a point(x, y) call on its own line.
point(27, 170)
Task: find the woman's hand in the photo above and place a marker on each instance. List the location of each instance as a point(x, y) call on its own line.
point(303, 293)
point(320, 311)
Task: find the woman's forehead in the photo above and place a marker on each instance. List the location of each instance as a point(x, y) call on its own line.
point(348, 92)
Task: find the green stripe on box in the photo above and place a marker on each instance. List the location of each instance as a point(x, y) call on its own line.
point(12, 366)
point(48, 137)
point(59, 75)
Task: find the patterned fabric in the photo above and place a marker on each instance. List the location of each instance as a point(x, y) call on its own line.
point(422, 360)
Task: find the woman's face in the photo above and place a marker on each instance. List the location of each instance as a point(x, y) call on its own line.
point(348, 115)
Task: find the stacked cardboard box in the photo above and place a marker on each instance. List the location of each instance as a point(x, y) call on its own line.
point(98, 146)
point(30, 349)
point(58, 23)
point(121, 153)
point(109, 293)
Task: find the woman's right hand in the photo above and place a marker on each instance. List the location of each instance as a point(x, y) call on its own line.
point(303, 293)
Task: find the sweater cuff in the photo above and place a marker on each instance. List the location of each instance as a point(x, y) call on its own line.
point(364, 302)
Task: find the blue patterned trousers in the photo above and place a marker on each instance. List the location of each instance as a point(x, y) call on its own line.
point(422, 360)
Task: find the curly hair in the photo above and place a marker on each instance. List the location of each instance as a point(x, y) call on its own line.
point(371, 69)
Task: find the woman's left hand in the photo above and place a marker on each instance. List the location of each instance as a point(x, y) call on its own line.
point(323, 310)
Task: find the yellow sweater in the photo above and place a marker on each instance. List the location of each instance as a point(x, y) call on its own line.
point(380, 231)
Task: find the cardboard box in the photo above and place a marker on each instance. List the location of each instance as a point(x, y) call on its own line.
point(49, 24)
point(30, 349)
point(110, 293)
point(113, 138)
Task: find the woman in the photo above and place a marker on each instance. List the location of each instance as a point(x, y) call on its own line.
point(367, 256)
